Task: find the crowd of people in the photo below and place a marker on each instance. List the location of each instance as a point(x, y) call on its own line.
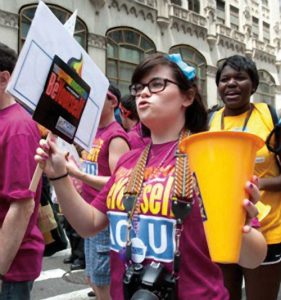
point(140, 220)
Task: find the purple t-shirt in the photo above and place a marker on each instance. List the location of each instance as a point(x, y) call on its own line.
point(19, 138)
point(136, 138)
point(96, 162)
point(199, 277)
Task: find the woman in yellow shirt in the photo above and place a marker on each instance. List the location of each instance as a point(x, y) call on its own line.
point(237, 79)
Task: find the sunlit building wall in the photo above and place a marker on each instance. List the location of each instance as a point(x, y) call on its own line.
point(119, 34)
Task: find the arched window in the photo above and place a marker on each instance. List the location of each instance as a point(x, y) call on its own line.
point(126, 48)
point(220, 4)
point(266, 89)
point(26, 15)
point(194, 5)
point(177, 2)
point(197, 60)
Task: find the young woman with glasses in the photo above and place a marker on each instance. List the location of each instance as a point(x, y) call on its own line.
point(154, 227)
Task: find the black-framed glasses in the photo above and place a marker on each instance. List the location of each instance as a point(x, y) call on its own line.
point(273, 141)
point(155, 85)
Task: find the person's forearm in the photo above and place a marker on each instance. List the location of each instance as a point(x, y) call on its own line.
point(13, 230)
point(270, 184)
point(253, 249)
point(81, 215)
point(97, 182)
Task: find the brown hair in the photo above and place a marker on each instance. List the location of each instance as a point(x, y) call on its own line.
point(196, 113)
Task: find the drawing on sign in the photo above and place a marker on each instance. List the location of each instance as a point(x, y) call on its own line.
point(63, 99)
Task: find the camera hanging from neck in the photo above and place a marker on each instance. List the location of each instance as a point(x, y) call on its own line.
point(182, 198)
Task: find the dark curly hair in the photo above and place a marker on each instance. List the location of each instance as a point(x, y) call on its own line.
point(129, 103)
point(240, 63)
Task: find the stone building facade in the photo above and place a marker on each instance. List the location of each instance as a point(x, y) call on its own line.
point(119, 34)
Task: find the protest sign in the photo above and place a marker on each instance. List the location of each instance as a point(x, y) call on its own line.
point(46, 39)
point(76, 99)
point(69, 25)
point(63, 100)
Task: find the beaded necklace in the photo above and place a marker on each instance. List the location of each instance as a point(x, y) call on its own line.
point(182, 197)
point(135, 218)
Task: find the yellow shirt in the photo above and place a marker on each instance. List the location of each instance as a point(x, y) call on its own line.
point(260, 123)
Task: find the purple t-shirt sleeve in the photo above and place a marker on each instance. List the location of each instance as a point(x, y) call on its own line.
point(136, 138)
point(100, 201)
point(100, 155)
point(19, 139)
point(107, 135)
point(17, 173)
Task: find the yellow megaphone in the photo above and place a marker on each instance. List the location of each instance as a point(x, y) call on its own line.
point(215, 158)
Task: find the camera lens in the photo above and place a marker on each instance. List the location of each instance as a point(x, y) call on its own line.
point(138, 267)
point(144, 295)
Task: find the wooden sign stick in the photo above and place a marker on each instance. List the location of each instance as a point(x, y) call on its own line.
point(38, 171)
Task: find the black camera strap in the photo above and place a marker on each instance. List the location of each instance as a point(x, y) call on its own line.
point(182, 197)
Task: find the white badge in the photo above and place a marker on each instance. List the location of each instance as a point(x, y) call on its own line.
point(90, 167)
point(138, 250)
point(260, 159)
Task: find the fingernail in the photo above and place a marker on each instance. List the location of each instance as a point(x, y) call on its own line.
point(45, 156)
point(46, 146)
point(247, 228)
point(251, 186)
point(248, 203)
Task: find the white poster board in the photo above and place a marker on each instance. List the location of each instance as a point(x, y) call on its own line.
point(48, 37)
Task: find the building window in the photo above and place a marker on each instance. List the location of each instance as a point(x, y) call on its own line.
point(220, 11)
point(177, 2)
point(197, 60)
point(265, 2)
point(266, 33)
point(194, 5)
point(26, 15)
point(234, 17)
point(266, 89)
point(255, 27)
point(126, 48)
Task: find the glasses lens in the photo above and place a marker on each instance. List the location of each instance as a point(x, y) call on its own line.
point(132, 90)
point(136, 89)
point(156, 85)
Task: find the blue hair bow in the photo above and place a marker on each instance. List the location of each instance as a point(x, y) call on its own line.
point(188, 71)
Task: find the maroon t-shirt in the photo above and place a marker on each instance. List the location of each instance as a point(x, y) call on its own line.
point(136, 138)
point(19, 138)
point(154, 227)
point(96, 162)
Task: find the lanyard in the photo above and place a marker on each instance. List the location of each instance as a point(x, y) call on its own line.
point(182, 196)
point(245, 121)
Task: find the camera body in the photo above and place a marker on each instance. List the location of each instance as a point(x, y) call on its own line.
point(149, 282)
